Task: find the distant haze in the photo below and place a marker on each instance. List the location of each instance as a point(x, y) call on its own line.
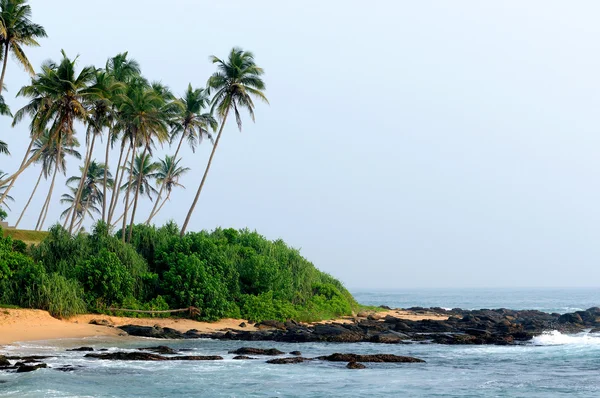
point(407, 144)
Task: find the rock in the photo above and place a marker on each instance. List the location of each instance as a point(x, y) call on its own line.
point(477, 332)
point(594, 330)
point(389, 338)
point(385, 307)
point(155, 331)
point(242, 357)
point(368, 358)
point(23, 368)
point(375, 317)
point(66, 368)
point(363, 314)
point(355, 365)
point(297, 353)
point(570, 318)
point(161, 349)
point(270, 324)
point(4, 361)
point(145, 356)
point(256, 351)
point(30, 358)
point(242, 325)
point(102, 322)
point(337, 333)
point(285, 361)
point(82, 349)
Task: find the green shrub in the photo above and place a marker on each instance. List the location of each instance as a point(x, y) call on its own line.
point(60, 296)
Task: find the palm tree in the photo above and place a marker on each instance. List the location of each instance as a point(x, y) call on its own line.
point(4, 148)
point(143, 116)
point(17, 31)
point(2, 189)
point(84, 207)
point(237, 81)
point(101, 116)
point(192, 125)
point(122, 70)
point(167, 176)
point(53, 157)
point(142, 172)
point(57, 100)
point(92, 187)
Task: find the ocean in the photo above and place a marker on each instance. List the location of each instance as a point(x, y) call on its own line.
point(552, 365)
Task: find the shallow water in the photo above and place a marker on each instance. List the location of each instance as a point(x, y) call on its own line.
point(551, 365)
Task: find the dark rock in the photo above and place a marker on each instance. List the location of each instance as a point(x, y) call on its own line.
point(256, 351)
point(355, 365)
point(297, 353)
point(66, 368)
point(243, 325)
point(389, 338)
point(161, 349)
point(4, 361)
point(570, 318)
point(242, 357)
point(101, 322)
point(196, 358)
point(155, 331)
point(30, 358)
point(385, 307)
point(23, 368)
point(477, 332)
point(285, 361)
point(594, 330)
point(368, 358)
point(337, 333)
point(270, 324)
point(82, 349)
point(145, 356)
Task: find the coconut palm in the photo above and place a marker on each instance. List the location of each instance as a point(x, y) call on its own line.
point(190, 124)
point(17, 31)
point(57, 100)
point(142, 173)
point(100, 116)
point(4, 148)
point(2, 189)
point(92, 187)
point(84, 207)
point(237, 81)
point(143, 116)
point(52, 156)
point(167, 176)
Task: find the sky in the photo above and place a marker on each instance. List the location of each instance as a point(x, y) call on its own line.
point(406, 144)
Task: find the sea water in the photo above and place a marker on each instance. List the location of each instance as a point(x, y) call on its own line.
point(551, 365)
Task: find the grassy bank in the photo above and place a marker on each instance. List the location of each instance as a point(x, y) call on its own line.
point(224, 273)
point(29, 237)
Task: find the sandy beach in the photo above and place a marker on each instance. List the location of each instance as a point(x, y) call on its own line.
point(30, 325)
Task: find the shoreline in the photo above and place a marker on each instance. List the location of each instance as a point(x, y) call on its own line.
point(26, 325)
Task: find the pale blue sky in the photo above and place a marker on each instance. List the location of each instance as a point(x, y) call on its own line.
point(408, 143)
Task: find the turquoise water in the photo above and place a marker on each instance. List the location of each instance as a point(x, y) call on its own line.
point(550, 366)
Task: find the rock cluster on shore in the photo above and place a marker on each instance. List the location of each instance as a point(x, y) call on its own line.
point(499, 326)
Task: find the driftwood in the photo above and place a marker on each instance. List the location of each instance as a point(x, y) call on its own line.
point(193, 311)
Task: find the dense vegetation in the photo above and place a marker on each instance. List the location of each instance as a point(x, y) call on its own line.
point(224, 273)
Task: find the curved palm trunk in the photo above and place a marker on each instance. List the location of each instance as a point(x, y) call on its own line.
point(212, 154)
point(137, 193)
point(30, 197)
point(162, 186)
point(106, 175)
point(163, 203)
point(127, 194)
point(118, 180)
point(121, 216)
point(7, 46)
point(24, 165)
point(42, 218)
point(82, 181)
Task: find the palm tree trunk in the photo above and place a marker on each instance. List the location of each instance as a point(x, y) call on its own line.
point(30, 197)
point(106, 175)
point(121, 216)
point(118, 180)
point(162, 186)
point(24, 164)
point(212, 154)
point(47, 204)
point(137, 193)
point(128, 191)
point(163, 203)
point(82, 180)
point(7, 46)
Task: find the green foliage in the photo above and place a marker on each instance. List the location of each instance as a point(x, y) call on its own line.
point(3, 214)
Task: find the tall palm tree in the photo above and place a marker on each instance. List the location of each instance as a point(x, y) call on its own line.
point(167, 176)
point(52, 156)
point(58, 98)
point(142, 172)
point(237, 81)
point(2, 189)
point(122, 70)
point(92, 193)
point(17, 31)
point(143, 116)
point(85, 206)
point(100, 116)
point(191, 124)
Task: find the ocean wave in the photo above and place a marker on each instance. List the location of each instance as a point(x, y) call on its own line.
point(555, 337)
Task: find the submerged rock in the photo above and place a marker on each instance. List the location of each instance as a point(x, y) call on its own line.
point(337, 357)
point(297, 353)
point(256, 351)
point(161, 349)
point(286, 361)
point(355, 365)
point(24, 367)
point(242, 357)
point(82, 349)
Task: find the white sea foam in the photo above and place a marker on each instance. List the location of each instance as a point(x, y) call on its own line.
point(557, 338)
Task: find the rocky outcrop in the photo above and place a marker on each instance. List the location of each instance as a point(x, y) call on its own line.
point(286, 361)
point(161, 349)
point(155, 331)
point(337, 357)
point(256, 351)
point(146, 356)
point(82, 349)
